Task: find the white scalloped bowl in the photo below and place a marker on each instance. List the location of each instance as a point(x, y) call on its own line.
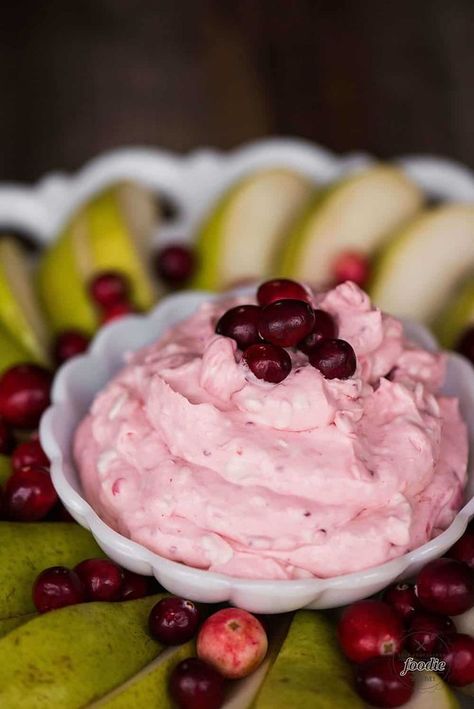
point(74, 389)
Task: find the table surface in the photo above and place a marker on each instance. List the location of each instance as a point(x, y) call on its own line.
point(77, 78)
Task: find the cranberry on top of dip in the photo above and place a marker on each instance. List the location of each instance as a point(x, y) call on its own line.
point(277, 441)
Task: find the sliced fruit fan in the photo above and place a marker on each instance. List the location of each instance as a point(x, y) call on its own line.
point(110, 241)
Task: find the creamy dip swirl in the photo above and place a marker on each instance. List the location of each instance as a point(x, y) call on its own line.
point(186, 452)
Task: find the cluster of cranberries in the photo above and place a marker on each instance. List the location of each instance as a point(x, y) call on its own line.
point(284, 318)
point(91, 580)
point(413, 620)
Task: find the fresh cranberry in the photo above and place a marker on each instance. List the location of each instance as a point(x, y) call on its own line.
point(324, 328)
point(116, 311)
point(29, 453)
point(459, 659)
point(24, 395)
point(426, 630)
point(101, 579)
point(241, 324)
point(351, 266)
point(175, 264)
point(446, 586)
point(369, 628)
point(29, 494)
point(135, 586)
point(465, 345)
point(268, 362)
point(196, 685)
point(173, 620)
point(7, 439)
point(281, 289)
point(60, 514)
point(69, 344)
point(109, 288)
point(402, 598)
point(334, 358)
point(57, 587)
point(286, 322)
point(380, 683)
point(463, 550)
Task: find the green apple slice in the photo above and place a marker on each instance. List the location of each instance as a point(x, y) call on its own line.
point(20, 314)
point(355, 214)
point(111, 232)
point(240, 238)
point(419, 270)
point(456, 317)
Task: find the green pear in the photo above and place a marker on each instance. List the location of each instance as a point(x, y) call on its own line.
point(71, 657)
point(420, 268)
point(9, 624)
point(456, 317)
point(148, 688)
point(431, 693)
point(111, 232)
point(310, 671)
point(358, 213)
point(28, 548)
point(20, 314)
point(240, 238)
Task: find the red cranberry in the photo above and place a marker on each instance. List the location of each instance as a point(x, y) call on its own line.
point(116, 311)
point(463, 550)
point(7, 439)
point(57, 587)
point(24, 395)
point(446, 586)
point(465, 345)
point(402, 598)
point(426, 630)
point(351, 266)
point(281, 289)
point(369, 628)
point(334, 358)
point(135, 586)
point(241, 324)
point(29, 494)
point(175, 264)
point(60, 514)
point(380, 683)
point(101, 579)
point(268, 362)
point(173, 620)
point(69, 344)
point(109, 288)
point(286, 322)
point(196, 685)
point(324, 328)
point(29, 453)
point(459, 659)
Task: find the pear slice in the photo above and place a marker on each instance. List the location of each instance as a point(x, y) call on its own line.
point(419, 270)
point(310, 671)
point(431, 693)
point(357, 213)
point(11, 351)
point(149, 687)
point(456, 317)
point(28, 548)
point(70, 657)
point(111, 232)
point(240, 238)
point(20, 314)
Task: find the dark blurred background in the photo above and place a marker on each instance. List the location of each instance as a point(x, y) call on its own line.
point(77, 78)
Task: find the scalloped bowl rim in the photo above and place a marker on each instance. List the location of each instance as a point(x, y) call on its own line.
point(258, 595)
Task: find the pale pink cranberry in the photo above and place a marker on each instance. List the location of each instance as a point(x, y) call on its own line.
point(233, 641)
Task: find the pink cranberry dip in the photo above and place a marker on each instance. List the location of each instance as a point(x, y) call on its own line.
point(187, 452)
